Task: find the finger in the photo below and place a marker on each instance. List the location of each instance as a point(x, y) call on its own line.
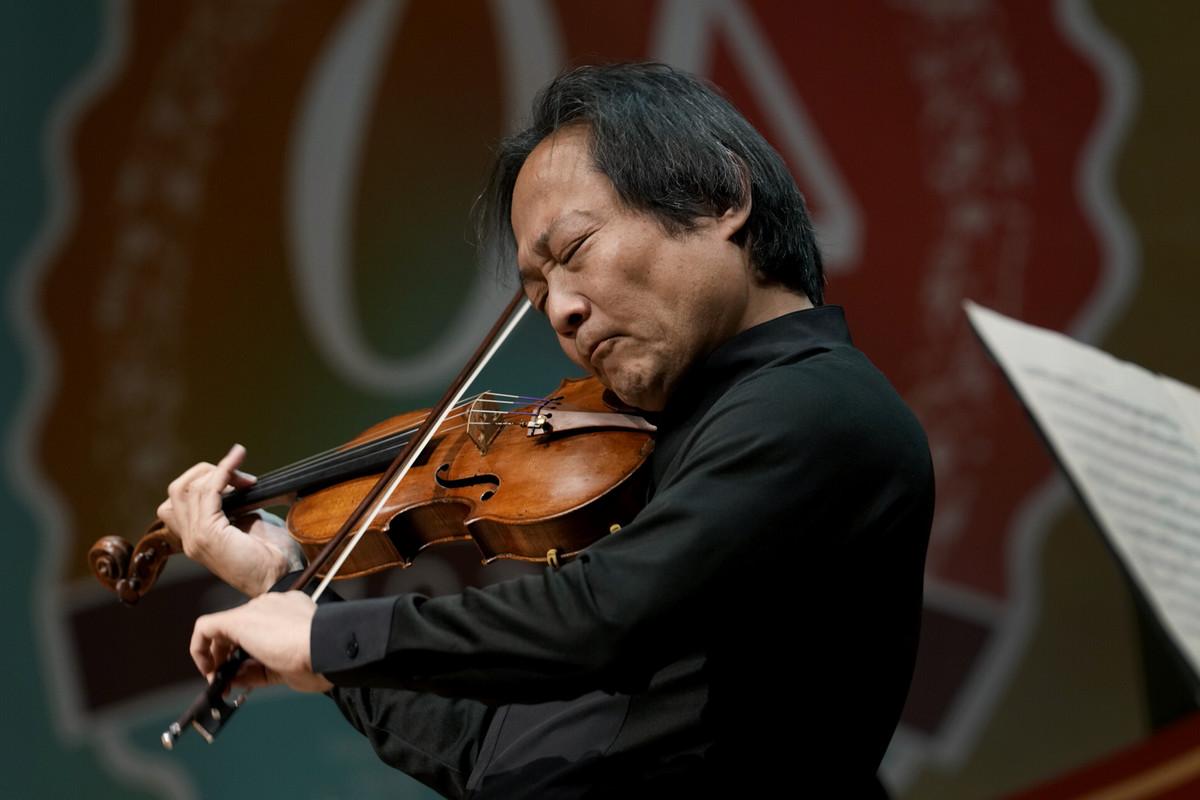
point(240, 480)
point(209, 640)
point(177, 487)
point(253, 675)
point(200, 647)
point(220, 649)
point(223, 474)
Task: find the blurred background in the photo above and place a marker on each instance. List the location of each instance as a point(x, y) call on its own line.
point(248, 221)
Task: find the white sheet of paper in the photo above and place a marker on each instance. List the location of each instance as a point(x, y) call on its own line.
point(1129, 439)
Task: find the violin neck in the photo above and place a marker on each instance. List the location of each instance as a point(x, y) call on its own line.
point(285, 484)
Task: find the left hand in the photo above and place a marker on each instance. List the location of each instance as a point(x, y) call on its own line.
point(274, 629)
point(249, 554)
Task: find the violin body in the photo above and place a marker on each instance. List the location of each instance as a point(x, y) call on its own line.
point(536, 482)
point(525, 495)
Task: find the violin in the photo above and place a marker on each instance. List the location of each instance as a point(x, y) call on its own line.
point(538, 482)
point(525, 478)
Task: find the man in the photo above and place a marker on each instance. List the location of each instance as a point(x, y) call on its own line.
point(755, 626)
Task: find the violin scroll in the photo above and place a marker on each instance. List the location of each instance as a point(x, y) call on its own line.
point(128, 570)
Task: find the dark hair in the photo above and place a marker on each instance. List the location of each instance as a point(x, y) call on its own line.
point(672, 147)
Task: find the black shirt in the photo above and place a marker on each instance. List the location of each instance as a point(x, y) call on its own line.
point(772, 582)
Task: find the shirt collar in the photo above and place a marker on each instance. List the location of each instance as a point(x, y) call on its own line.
point(792, 337)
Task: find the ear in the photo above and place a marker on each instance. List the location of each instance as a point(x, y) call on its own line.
point(732, 223)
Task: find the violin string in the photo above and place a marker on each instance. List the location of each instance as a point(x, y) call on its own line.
point(338, 453)
point(333, 451)
point(516, 310)
point(391, 438)
point(321, 459)
point(393, 442)
point(297, 472)
point(291, 472)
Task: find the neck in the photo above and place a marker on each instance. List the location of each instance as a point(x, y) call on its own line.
point(767, 302)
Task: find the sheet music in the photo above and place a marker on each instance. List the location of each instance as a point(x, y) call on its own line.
point(1129, 439)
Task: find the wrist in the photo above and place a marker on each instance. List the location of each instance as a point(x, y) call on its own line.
point(274, 574)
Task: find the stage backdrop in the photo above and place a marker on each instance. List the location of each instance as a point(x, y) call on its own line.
point(248, 221)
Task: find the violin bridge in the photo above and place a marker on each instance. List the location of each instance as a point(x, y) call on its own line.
point(483, 424)
point(539, 422)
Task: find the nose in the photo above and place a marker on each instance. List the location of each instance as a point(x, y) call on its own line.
point(567, 310)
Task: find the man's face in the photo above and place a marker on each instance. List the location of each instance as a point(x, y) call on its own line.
point(629, 302)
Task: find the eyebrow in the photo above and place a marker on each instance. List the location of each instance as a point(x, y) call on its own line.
point(542, 245)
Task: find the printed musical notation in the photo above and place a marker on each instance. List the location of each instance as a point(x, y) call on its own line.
point(1129, 441)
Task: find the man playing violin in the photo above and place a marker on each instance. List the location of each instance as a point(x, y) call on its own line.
point(755, 626)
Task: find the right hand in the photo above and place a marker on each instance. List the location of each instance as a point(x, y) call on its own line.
point(250, 556)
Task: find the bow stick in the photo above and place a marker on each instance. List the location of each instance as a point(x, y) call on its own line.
point(209, 712)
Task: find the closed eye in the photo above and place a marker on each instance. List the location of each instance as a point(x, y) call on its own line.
point(566, 259)
point(535, 290)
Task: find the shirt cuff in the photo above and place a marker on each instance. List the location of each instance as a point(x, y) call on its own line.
point(347, 636)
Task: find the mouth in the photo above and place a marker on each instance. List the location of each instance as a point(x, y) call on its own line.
point(600, 348)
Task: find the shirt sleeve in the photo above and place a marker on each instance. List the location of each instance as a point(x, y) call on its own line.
point(432, 738)
point(769, 451)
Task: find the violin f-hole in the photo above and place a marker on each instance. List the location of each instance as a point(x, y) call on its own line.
point(442, 476)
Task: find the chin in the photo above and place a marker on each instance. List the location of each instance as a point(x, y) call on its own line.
point(639, 379)
point(639, 394)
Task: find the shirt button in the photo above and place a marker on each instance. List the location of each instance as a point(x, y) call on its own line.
point(352, 647)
